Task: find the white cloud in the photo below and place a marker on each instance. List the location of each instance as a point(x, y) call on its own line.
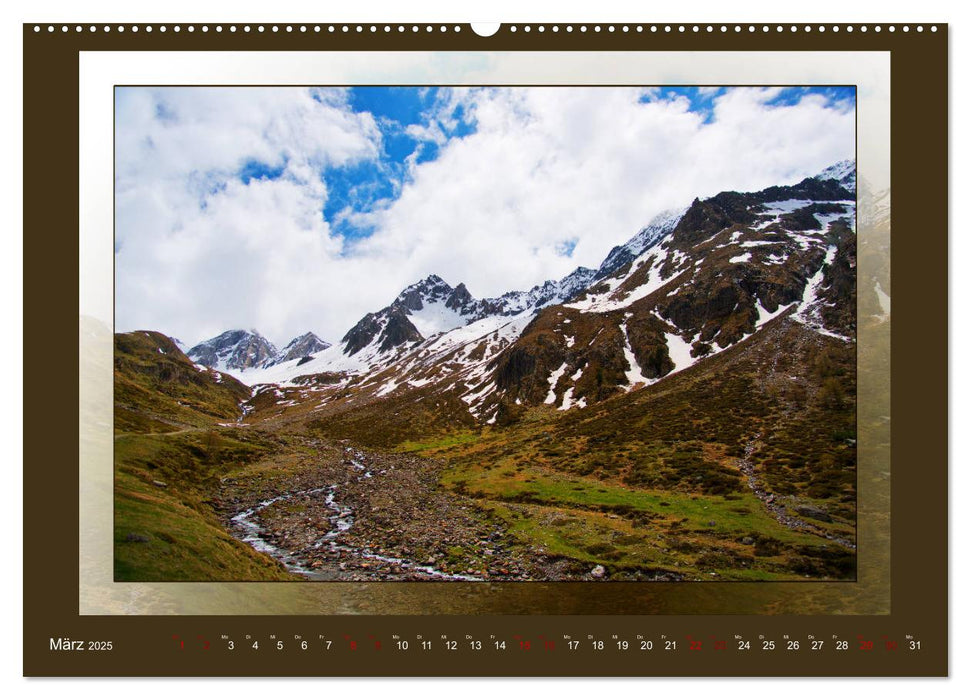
point(200, 251)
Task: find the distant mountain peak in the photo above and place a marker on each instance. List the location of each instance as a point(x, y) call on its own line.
point(431, 289)
point(306, 345)
point(242, 350)
point(234, 349)
point(422, 309)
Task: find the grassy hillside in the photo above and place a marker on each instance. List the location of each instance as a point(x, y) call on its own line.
point(169, 455)
point(165, 526)
point(159, 389)
point(652, 480)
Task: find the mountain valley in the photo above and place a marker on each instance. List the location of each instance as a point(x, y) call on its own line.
point(685, 412)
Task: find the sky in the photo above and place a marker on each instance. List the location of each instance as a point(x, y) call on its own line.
point(291, 210)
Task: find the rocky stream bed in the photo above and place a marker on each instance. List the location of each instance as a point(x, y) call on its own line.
point(355, 516)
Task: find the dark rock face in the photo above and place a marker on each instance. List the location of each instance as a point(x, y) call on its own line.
point(236, 349)
point(804, 219)
point(414, 298)
point(604, 368)
point(704, 218)
point(251, 352)
point(390, 327)
point(398, 330)
point(646, 337)
point(207, 352)
point(361, 335)
point(839, 284)
point(720, 304)
point(515, 366)
point(810, 188)
point(459, 298)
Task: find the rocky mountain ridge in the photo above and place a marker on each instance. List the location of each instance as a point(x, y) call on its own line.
point(691, 284)
point(239, 350)
point(432, 306)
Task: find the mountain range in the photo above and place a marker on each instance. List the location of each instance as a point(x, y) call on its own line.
point(689, 285)
point(239, 350)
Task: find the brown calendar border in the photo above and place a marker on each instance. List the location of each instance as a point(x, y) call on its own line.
point(142, 644)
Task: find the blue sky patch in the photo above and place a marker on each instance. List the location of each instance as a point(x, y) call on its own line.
point(255, 170)
point(365, 186)
point(702, 99)
point(404, 105)
point(565, 248)
point(414, 129)
point(835, 95)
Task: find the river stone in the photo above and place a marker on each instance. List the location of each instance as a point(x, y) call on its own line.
point(598, 571)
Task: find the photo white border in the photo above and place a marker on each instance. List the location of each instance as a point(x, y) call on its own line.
point(100, 72)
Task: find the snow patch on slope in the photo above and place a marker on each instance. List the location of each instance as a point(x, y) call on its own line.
point(807, 313)
point(679, 351)
point(635, 374)
point(611, 301)
point(554, 378)
point(434, 318)
point(766, 316)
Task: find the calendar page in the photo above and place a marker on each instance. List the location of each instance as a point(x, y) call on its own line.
point(529, 350)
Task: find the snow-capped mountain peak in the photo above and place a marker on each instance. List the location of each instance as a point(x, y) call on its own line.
point(844, 172)
point(656, 229)
point(236, 349)
point(306, 345)
point(431, 307)
point(415, 296)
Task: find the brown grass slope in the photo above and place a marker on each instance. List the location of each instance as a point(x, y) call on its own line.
point(159, 389)
point(635, 482)
point(169, 455)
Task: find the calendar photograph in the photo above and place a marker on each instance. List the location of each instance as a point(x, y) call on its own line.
point(486, 350)
point(487, 334)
